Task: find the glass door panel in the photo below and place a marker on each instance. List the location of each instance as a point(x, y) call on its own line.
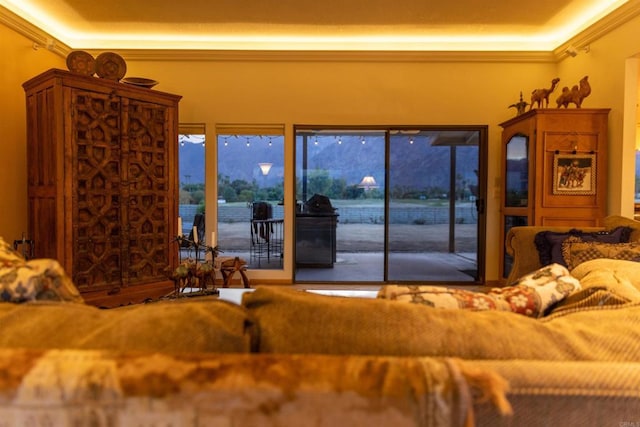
point(517, 172)
point(433, 196)
point(340, 187)
point(191, 207)
point(516, 191)
point(251, 196)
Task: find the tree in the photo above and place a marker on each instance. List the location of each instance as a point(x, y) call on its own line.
point(318, 181)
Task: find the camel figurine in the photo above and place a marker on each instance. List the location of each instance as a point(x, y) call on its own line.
point(541, 96)
point(576, 95)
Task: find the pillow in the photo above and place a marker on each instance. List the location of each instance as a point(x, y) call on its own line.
point(591, 298)
point(619, 269)
point(607, 278)
point(535, 293)
point(576, 251)
point(442, 297)
point(8, 256)
point(549, 243)
point(532, 295)
point(36, 279)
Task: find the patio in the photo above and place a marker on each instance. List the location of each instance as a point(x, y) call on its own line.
point(418, 253)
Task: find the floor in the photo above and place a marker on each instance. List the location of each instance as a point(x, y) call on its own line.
point(359, 274)
point(365, 267)
point(420, 253)
point(369, 266)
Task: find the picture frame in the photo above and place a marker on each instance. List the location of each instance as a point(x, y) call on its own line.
point(574, 174)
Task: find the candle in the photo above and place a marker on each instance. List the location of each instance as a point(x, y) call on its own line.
point(195, 234)
point(179, 226)
point(213, 239)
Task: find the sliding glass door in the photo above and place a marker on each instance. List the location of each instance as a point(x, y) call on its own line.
point(433, 212)
point(389, 204)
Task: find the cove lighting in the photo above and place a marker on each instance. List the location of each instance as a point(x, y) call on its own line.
point(65, 25)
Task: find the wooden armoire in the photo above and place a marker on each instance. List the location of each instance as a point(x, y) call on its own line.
point(102, 183)
point(554, 170)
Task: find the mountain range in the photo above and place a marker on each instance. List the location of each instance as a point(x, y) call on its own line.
point(417, 165)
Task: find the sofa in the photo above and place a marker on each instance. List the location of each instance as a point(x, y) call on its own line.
point(520, 242)
point(553, 348)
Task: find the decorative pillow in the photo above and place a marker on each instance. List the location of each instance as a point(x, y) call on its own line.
point(619, 276)
point(8, 256)
point(532, 295)
point(442, 297)
point(36, 279)
point(618, 270)
point(576, 251)
point(549, 243)
point(590, 298)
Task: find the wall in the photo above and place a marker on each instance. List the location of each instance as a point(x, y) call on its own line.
point(352, 93)
point(241, 89)
point(605, 64)
point(20, 61)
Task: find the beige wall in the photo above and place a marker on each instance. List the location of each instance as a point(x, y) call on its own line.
point(605, 64)
point(19, 63)
point(337, 93)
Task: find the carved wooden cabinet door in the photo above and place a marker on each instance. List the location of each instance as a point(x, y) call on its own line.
point(145, 180)
point(97, 208)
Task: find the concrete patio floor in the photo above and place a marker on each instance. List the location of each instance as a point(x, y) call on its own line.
point(417, 253)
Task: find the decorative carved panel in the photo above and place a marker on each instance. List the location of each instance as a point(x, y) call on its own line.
point(97, 197)
point(146, 189)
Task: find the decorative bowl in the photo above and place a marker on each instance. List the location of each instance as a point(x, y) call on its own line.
point(140, 81)
point(110, 66)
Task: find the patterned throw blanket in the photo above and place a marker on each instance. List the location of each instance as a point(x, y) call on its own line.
point(92, 388)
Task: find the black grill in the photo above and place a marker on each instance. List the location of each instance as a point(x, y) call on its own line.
point(319, 204)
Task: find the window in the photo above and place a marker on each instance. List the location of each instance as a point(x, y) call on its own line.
point(191, 177)
point(251, 193)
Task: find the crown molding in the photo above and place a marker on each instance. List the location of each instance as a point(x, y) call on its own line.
point(40, 38)
point(615, 19)
point(618, 17)
point(334, 56)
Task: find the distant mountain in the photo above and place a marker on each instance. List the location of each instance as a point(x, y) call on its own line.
point(191, 163)
point(239, 161)
point(417, 166)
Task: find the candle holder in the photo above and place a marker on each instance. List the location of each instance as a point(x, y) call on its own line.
point(193, 272)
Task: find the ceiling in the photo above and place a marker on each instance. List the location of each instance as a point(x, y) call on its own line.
point(409, 25)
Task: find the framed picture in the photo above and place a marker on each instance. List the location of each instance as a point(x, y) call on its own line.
point(574, 174)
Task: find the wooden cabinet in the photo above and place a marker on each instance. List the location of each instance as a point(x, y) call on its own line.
point(554, 170)
point(102, 183)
